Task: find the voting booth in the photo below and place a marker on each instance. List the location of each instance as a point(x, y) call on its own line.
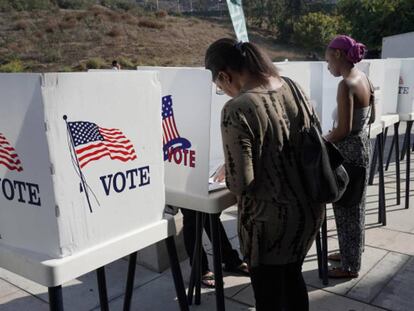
point(78, 167)
point(318, 84)
point(192, 146)
point(406, 87)
point(192, 150)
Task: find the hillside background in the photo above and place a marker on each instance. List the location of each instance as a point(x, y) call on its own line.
point(69, 35)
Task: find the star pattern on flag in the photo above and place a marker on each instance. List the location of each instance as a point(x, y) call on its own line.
point(85, 132)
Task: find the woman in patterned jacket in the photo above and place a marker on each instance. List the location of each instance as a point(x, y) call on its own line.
point(277, 220)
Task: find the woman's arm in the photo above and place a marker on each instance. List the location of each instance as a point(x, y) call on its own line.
point(345, 110)
point(237, 145)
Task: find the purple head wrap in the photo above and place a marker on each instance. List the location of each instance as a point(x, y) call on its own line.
point(354, 51)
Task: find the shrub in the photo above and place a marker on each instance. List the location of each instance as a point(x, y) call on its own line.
point(161, 14)
point(115, 32)
point(12, 66)
point(119, 4)
point(95, 63)
point(126, 62)
point(24, 5)
point(150, 24)
point(75, 4)
point(315, 30)
point(22, 25)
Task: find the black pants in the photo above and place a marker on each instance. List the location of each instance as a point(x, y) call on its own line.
point(279, 288)
point(230, 257)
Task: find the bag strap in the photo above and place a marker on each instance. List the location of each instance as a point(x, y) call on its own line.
point(302, 103)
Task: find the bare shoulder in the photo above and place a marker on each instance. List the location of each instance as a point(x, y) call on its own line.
point(343, 89)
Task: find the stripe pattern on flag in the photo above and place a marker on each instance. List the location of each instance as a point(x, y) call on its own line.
point(169, 127)
point(92, 143)
point(8, 155)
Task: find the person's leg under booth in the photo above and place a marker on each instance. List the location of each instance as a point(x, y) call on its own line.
point(189, 229)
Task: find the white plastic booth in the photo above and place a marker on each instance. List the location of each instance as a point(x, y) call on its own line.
point(81, 175)
point(405, 110)
point(188, 138)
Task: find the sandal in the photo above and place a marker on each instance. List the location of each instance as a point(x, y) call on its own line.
point(207, 280)
point(241, 269)
point(339, 273)
point(334, 257)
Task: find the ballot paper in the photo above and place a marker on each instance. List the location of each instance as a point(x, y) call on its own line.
point(212, 185)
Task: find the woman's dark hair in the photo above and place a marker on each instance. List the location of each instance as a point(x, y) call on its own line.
point(239, 56)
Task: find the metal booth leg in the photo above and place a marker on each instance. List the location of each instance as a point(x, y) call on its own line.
point(132, 265)
point(195, 277)
point(218, 272)
point(324, 260)
point(397, 161)
point(373, 167)
point(382, 216)
point(408, 150)
point(55, 298)
point(176, 273)
point(103, 294)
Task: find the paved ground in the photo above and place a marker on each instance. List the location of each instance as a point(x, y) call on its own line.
point(386, 281)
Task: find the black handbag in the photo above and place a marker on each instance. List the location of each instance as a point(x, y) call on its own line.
point(355, 190)
point(324, 177)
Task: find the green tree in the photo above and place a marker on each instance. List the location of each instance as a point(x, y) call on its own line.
point(315, 30)
point(371, 20)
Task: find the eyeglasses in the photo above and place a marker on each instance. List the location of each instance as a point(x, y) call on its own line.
point(219, 91)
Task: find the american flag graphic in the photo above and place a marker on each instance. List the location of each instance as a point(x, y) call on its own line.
point(169, 127)
point(8, 155)
point(92, 143)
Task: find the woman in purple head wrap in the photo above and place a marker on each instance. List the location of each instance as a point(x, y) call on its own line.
point(356, 110)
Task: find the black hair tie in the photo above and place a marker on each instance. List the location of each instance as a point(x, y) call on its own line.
point(239, 47)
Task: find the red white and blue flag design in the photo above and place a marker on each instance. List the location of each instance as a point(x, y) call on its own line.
point(8, 155)
point(171, 138)
point(92, 142)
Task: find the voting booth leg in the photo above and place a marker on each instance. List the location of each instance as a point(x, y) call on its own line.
point(195, 277)
point(373, 163)
point(324, 260)
point(103, 294)
point(55, 298)
point(382, 216)
point(397, 161)
point(201, 220)
point(404, 146)
point(319, 252)
point(176, 273)
point(322, 253)
point(407, 148)
point(218, 272)
point(130, 281)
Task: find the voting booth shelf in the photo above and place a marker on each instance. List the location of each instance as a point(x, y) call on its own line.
point(81, 174)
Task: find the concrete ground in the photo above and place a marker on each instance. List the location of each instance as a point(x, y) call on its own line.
point(386, 281)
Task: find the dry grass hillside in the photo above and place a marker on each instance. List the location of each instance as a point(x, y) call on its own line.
point(67, 40)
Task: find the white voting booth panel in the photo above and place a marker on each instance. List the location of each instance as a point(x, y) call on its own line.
point(186, 100)
point(384, 75)
point(187, 133)
point(85, 181)
point(319, 85)
point(406, 87)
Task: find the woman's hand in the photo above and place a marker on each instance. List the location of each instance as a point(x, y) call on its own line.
point(220, 174)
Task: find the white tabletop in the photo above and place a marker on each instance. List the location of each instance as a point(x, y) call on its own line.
point(407, 116)
point(53, 272)
point(375, 129)
point(214, 203)
point(389, 119)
